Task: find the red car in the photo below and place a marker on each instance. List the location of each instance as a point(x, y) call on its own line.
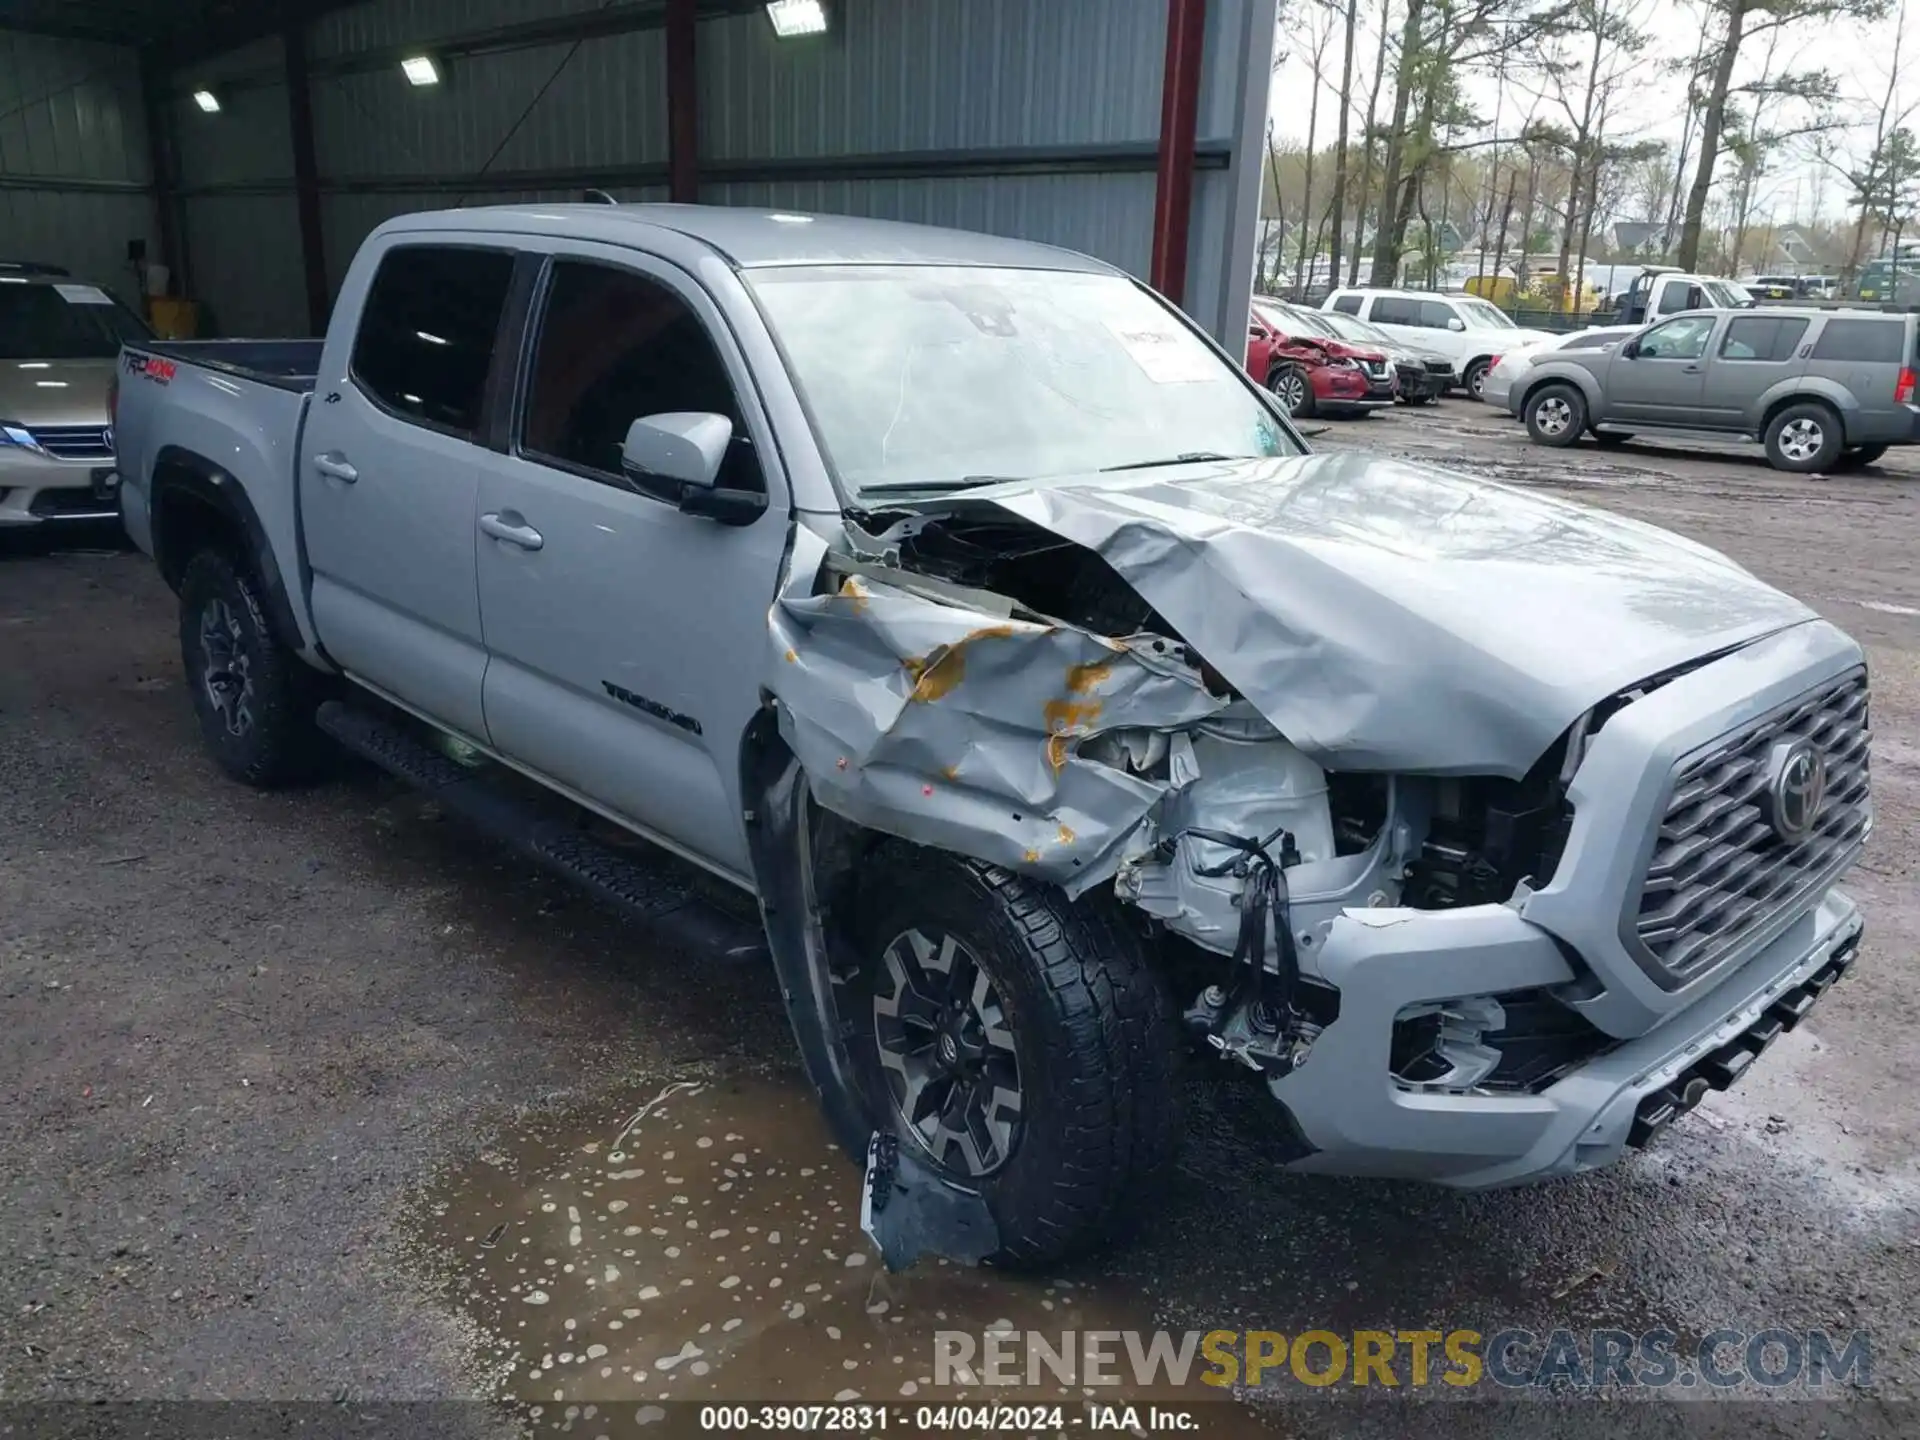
point(1312, 373)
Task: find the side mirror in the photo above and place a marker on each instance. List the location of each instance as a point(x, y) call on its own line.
point(1456, 323)
point(676, 458)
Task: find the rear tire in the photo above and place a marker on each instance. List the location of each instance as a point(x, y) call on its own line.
point(254, 698)
point(1294, 390)
point(1556, 415)
point(1059, 1009)
point(1804, 439)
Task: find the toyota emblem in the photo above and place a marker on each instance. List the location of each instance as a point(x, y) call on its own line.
point(1796, 787)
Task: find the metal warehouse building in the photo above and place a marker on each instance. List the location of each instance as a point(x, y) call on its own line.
point(250, 145)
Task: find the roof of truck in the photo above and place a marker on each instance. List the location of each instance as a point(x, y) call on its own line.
point(751, 238)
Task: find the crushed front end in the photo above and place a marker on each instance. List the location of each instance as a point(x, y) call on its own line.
point(1463, 971)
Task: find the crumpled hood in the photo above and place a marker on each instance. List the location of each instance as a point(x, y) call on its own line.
point(1398, 617)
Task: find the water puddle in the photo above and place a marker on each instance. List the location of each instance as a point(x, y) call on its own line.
point(707, 1246)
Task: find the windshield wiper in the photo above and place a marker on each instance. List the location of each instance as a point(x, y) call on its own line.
point(915, 487)
point(1190, 457)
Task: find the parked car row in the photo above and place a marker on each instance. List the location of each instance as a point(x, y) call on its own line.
point(1328, 362)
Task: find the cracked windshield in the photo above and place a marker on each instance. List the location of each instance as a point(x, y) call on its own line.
point(933, 377)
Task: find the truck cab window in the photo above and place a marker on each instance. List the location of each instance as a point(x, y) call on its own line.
point(613, 348)
point(427, 333)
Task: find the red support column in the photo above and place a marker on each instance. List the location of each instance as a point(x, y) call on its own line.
point(1179, 121)
point(683, 110)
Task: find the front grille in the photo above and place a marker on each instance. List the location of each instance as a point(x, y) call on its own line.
point(1376, 368)
point(74, 442)
point(1719, 871)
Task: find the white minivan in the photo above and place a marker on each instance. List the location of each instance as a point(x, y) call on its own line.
point(1466, 329)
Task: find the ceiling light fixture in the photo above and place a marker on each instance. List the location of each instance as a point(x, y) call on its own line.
point(208, 102)
point(797, 17)
point(421, 70)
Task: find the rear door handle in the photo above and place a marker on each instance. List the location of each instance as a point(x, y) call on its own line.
point(501, 528)
point(335, 464)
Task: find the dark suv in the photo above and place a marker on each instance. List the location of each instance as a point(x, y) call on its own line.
point(1817, 388)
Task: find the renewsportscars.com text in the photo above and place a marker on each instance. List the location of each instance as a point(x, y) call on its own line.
point(1510, 1359)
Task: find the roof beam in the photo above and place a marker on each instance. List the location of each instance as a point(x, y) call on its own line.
point(258, 20)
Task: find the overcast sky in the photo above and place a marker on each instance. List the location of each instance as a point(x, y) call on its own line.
point(1859, 56)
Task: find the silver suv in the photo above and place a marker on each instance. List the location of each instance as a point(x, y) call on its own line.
point(59, 347)
point(1818, 388)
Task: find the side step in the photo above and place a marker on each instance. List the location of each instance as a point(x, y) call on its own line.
point(661, 902)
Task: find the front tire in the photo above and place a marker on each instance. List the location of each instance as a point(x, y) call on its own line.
point(1556, 415)
point(1020, 1041)
point(1290, 384)
point(1804, 439)
point(254, 698)
point(1474, 381)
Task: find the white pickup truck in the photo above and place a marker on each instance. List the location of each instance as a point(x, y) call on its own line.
point(976, 620)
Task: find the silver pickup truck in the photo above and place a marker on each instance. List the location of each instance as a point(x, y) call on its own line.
point(972, 617)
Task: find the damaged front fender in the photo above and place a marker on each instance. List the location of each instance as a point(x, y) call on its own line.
point(960, 729)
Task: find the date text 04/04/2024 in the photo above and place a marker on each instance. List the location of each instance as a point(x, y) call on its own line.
point(866, 1419)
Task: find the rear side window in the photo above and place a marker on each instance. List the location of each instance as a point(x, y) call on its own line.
point(616, 347)
point(1760, 337)
point(1348, 304)
point(1587, 342)
point(1873, 342)
point(1393, 310)
point(427, 333)
point(1436, 314)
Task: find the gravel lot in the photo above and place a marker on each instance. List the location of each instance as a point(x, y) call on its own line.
point(275, 1067)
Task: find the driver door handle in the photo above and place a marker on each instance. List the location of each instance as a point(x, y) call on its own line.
point(501, 528)
point(335, 464)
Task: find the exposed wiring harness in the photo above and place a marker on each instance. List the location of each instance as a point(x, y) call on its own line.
point(1264, 898)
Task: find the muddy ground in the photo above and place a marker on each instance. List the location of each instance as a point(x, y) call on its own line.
point(315, 1097)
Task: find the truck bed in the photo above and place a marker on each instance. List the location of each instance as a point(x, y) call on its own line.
point(283, 364)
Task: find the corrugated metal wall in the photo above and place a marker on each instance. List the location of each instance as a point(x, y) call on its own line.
point(73, 157)
point(1045, 114)
point(235, 171)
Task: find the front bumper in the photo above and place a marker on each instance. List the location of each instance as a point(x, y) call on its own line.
point(36, 490)
point(1649, 1028)
point(1417, 382)
point(1351, 1117)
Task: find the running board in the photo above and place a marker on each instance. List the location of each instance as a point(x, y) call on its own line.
point(664, 904)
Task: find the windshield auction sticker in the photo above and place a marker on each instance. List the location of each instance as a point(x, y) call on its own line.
point(84, 295)
point(1167, 356)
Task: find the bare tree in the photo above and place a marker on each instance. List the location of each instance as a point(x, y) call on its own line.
point(1367, 136)
point(1582, 61)
point(1319, 33)
point(1885, 122)
point(1741, 21)
point(1352, 26)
